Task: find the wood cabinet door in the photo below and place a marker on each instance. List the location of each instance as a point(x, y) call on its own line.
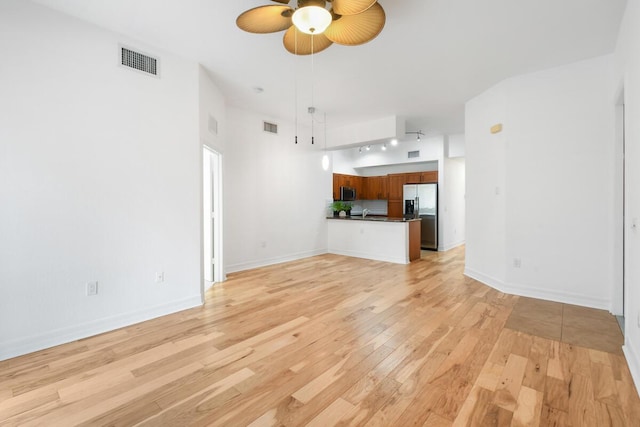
point(357, 182)
point(366, 189)
point(374, 187)
point(429, 176)
point(394, 208)
point(384, 188)
point(412, 178)
point(396, 181)
point(337, 182)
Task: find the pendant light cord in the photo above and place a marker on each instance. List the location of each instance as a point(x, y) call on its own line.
point(295, 85)
point(312, 80)
point(325, 133)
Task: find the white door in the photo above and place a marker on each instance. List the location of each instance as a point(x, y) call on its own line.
point(212, 202)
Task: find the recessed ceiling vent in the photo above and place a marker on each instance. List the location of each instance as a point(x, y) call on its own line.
point(270, 127)
point(413, 154)
point(139, 61)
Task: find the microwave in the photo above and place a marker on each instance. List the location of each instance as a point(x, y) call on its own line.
point(347, 193)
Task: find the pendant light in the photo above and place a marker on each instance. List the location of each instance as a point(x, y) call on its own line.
point(311, 110)
point(325, 156)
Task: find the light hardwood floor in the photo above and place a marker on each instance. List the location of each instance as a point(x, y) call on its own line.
point(323, 341)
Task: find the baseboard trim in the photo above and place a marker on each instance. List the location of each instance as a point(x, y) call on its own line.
point(234, 268)
point(545, 294)
point(22, 346)
point(633, 360)
point(483, 278)
point(451, 246)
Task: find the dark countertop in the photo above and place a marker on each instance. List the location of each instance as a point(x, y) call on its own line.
point(372, 218)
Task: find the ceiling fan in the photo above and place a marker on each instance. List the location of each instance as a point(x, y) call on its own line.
point(312, 26)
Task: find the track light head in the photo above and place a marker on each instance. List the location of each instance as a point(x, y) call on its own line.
point(418, 134)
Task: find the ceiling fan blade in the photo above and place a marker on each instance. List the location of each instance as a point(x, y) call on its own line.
point(265, 19)
point(281, 1)
point(304, 46)
point(351, 7)
point(357, 29)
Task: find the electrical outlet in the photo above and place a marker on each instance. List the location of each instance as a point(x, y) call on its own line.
point(160, 277)
point(638, 319)
point(263, 244)
point(517, 262)
point(92, 288)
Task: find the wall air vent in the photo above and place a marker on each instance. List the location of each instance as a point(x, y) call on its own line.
point(270, 127)
point(138, 61)
point(413, 154)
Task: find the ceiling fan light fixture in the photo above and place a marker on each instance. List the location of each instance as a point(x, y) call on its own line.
point(312, 19)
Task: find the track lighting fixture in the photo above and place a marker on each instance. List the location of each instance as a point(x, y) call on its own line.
point(384, 147)
point(418, 134)
point(394, 142)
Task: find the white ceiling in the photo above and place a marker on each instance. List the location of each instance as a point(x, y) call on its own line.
point(431, 57)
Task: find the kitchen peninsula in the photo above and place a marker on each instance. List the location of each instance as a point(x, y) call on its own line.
point(394, 240)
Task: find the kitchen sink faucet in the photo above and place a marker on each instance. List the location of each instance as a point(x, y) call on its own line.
point(365, 212)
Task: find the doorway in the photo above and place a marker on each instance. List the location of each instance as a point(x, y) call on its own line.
point(212, 214)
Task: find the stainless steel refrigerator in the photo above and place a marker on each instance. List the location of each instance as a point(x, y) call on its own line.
point(421, 201)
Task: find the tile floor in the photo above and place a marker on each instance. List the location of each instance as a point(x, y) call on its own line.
point(581, 326)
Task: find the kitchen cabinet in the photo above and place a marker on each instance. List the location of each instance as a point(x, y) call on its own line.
point(341, 180)
point(337, 182)
point(412, 178)
point(387, 187)
point(396, 181)
point(394, 208)
point(429, 177)
point(376, 188)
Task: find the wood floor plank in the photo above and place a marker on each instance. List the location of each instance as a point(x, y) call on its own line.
point(508, 388)
point(528, 408)
point(326, 340)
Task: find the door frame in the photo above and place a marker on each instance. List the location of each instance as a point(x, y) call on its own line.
point(215, 216)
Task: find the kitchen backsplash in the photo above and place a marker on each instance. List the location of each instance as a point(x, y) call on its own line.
point(376, 207)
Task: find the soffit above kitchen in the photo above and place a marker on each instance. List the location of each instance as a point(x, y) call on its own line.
point(429, 59)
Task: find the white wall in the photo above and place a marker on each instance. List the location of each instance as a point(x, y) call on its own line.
point(275, 195)
point(452, 202)
point(485, 184)
point(100, 179)
point(212, 104)
point(628, 74)
point(455, 145)
point(541, 190)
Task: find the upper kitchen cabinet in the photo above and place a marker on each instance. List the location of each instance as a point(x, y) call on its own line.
point(376, 188)
point(429, 177)
point(340, 180)
point(412, 178)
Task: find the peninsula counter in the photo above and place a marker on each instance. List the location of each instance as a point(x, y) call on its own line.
point(379, 238)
